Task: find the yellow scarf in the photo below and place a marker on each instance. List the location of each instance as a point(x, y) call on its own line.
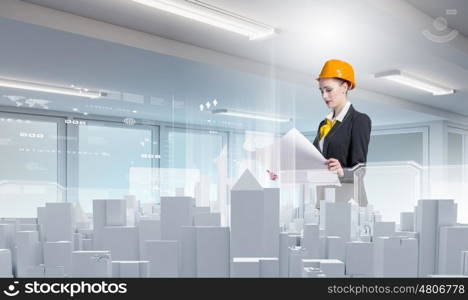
point(325, 128)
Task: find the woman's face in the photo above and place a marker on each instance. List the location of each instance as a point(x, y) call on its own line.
point(333, 92)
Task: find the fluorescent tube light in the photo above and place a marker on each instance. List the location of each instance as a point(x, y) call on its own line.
point(415, 82)
point(248, 115)
point(39, 87)
point(208, 14)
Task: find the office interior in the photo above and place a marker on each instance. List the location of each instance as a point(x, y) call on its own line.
point(147, 122)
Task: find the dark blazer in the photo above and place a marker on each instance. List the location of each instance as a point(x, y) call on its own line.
point(348, 141)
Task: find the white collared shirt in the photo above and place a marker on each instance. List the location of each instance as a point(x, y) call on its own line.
point(340, 118)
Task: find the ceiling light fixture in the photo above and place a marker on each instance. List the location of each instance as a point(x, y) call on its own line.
point(241, 114)
point(39, 87)
point(214, 16)
point(415, 82)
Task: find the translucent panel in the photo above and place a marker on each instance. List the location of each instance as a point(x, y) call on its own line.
point(197, 166)
point(382, 147)
point(29, 165)
point(390, 188)
point(448, 182)
point(454, 148)
point(195, 150)
point(395, 188)
point(106, 158)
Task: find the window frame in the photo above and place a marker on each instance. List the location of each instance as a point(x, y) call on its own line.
point(73, 145)
point(61, 150)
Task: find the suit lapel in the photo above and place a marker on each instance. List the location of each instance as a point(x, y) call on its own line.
point(334, 129)
point(326, 141)
point(317, 138)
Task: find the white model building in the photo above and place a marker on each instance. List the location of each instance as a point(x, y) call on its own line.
point(254, 219)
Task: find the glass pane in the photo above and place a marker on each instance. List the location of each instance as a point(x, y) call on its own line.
point(449, 182)
point(390, 188)
point(382, 147)
point(455, 149)
point(106, 157)
point(197, 163)
point(28, 173)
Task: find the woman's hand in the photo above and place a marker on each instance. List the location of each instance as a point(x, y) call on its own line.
point(272, 175)
point(334, 165)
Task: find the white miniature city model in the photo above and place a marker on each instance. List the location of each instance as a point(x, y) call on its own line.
point(179, 239)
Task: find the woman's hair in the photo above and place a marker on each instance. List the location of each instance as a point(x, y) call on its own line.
point(342, 81)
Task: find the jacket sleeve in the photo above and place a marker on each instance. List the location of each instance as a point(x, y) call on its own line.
point(360, 137)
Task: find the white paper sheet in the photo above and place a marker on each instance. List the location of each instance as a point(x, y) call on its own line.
point(297, 158)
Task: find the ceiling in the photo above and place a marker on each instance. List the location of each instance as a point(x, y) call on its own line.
point(374, 35)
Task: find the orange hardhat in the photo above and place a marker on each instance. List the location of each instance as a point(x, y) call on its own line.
point(334, 68)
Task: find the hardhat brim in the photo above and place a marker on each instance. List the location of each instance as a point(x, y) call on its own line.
point(352, 85)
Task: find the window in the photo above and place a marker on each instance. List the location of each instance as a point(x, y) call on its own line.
point(113, 160)
point(195, 161)
point(412, 145)
point(456, 147)
point(31, 163)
